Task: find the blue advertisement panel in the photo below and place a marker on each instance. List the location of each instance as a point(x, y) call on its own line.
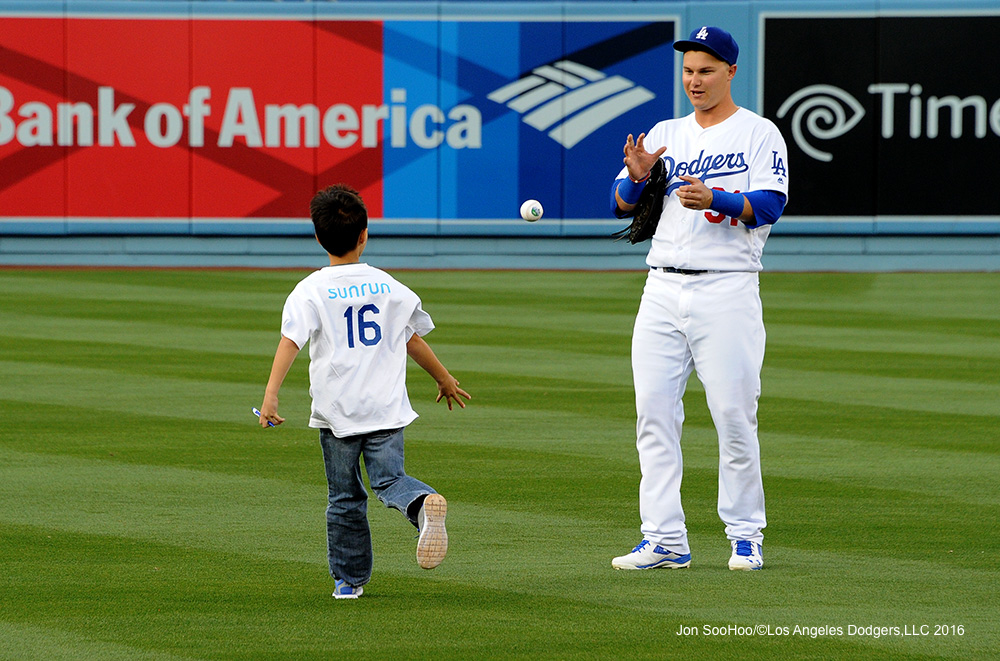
point(499, 112)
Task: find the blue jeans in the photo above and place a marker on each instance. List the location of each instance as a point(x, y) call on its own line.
point(349, 539)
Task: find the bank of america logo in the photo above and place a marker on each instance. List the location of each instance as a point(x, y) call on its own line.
point(570, 100)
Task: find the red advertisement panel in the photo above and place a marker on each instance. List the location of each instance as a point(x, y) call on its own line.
point(163, 118)
point(33, 80)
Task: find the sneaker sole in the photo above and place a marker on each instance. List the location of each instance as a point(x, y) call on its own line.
point(433, 542)
point(745, 568)
point(666, 564)
point(357, 594)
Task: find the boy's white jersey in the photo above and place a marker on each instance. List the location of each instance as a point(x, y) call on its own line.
point(357, 320)
point(743, 153)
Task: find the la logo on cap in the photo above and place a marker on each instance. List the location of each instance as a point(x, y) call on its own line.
point(702, 33)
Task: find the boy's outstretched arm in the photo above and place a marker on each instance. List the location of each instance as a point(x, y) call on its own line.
point(421, 352)
point(283, 359)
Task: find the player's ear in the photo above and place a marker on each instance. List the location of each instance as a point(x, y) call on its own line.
point(363, 238)
point(732, 71)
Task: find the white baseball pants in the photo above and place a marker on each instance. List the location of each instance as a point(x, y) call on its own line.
point(711, 324)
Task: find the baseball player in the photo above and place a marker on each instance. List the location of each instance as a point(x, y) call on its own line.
point(700, 309)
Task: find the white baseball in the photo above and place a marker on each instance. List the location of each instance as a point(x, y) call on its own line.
point(531, 210)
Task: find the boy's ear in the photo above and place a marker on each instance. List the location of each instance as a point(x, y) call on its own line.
point(363, 237)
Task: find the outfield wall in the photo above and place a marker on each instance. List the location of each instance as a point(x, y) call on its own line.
point(137, 133)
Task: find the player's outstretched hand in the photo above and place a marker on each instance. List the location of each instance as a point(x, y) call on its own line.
point(639, 161)
point(449, 391)
point(695, 195)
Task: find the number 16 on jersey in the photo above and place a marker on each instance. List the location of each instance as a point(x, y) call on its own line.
point(368, 330)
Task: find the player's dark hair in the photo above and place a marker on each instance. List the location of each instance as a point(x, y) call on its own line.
point(339, 216)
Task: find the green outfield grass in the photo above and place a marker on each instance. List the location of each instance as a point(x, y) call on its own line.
point(145, 515)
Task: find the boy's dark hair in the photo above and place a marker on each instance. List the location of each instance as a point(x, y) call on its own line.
point(339, 215)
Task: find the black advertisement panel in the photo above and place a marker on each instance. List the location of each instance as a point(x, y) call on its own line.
point(888, 115)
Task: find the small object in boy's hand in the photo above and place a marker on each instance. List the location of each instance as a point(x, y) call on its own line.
point(257, 413)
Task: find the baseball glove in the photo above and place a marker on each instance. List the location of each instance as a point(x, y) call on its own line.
point(647, 210)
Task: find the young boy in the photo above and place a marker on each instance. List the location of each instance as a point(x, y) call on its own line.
point(360, 324)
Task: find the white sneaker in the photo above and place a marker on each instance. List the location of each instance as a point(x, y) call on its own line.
point(432, 545)
point(651, 556)
point(344, 591)
point(747, 555)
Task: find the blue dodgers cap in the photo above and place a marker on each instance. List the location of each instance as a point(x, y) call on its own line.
point(715, 41)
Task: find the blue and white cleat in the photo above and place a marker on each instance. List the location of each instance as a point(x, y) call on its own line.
point(651, 556)
point(747, 555)
point(344, 591)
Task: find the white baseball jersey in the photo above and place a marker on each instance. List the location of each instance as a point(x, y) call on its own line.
point(357, 320)
point(744, 153)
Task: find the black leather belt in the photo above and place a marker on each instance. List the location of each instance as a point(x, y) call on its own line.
point(671, 269)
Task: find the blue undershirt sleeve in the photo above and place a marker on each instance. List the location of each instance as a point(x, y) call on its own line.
point(730, 204)
point(767, 206)
point(615, 211)
point(629, 193)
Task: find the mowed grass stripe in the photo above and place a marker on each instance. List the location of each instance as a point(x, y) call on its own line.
point(884, 427)
point(600, 340)
point(55, 643)
point(205, 315)
point(108, 392)
point(532, 363)
point(892, 394)
point(577, 292)
point(245, 609)
point(911, 295)
point(182, 507)
point(185, 398)
point(236, 449)
point(541, 315)
point(212, 366)
point(892, 340)
point(515, 392)
point(900, 525)
point(968, 477)
point(168, 333)
point(850, 319)
point(897, 364)
point(241, 288)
